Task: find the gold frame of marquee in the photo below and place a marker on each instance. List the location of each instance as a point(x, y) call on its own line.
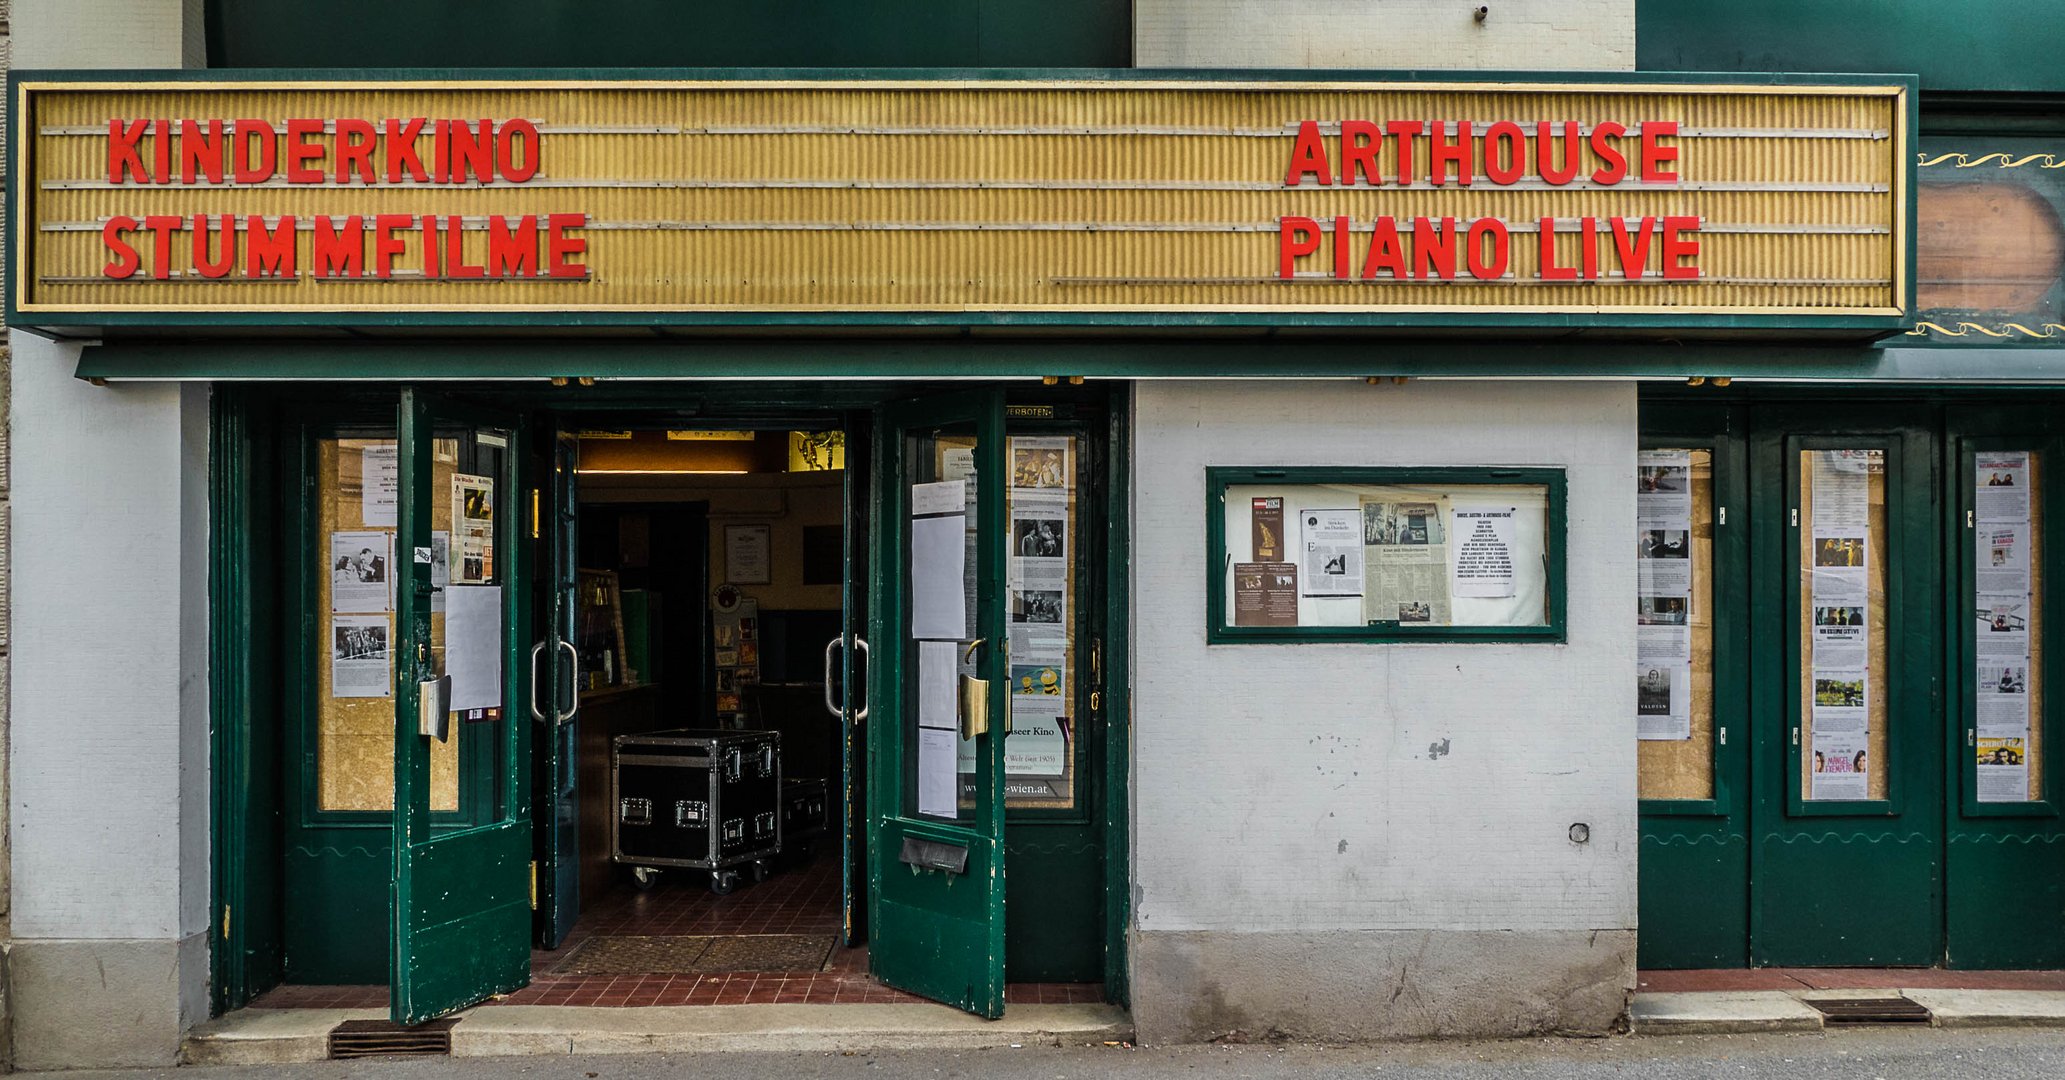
point(28, 84)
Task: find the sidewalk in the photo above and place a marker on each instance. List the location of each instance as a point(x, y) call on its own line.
point(1737, 1001)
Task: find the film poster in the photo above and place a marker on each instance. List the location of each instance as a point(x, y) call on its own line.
point(1265, 594)
point(1839, 647)
point(473, 529)
point(1042, 540)
point(361, 663)
point(1407, 562)
point(1265, 524)
point(1663, 595)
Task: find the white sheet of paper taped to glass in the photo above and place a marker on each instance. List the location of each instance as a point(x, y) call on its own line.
point(936, 772)
point(937, 672)
point(473, 646)
point(939, 577)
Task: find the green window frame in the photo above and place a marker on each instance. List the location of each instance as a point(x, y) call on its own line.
point(1219, 479)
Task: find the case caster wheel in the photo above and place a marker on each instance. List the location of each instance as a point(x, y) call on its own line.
point(760, 870)
point(645, 877)
point(722, 882)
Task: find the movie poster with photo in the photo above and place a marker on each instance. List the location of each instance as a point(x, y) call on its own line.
point(361, 571)
point(473, 529)
point(360, 660)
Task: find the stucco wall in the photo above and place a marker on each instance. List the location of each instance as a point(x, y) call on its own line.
point(1422, 35)
point(1344, 841)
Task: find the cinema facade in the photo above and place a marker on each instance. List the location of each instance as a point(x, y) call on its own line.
point(1403, 488)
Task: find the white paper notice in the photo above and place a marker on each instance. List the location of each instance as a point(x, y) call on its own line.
point(359, 657)
point(939, 577)
point(1483, 545)
point(2001, 487)
point(944, 497)
point(361, 571)
point(938, 706)
point(936, 753)
point(1331, 556)
point(380, 481)
point(473, 646)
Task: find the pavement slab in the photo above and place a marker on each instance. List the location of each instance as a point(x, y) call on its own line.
point(1723, 1012)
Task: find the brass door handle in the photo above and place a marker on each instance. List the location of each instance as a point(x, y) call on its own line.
point(974, 706)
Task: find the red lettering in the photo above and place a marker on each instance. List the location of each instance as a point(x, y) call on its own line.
point(269, 252)
point(431, 269)
point(226, 259)
point(455, 250)
point(1443, 153)
point(123, 157)
point(248, 133)
point(300, 150)
point(161, 153)
point(1545, 153)
point(1505, 152)
point(1488, 267)
point(162, 226)
point(1551, 271)
point(1404, 132)
point(1434, 248)
point(126, 261)
point(1588, 256)
point(1341, 238)
point(1385, 252)
point(1605, 138)
point(471, 153)
point(1360, 141)
point(1655, 154)
point(355, 140)
point(1308, 156)
point(512, 252)
point(1677, 246)
point(505, 150)
point(336, 253)
point(386, 245)
point(1633, 250)
point(200, 154)
point(1295, 237)
point(401, 151)
point(559, 247)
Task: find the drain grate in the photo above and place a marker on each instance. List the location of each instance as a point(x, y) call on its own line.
point(384, 1038)
point(1871, 1010)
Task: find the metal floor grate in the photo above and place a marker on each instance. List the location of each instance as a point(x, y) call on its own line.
point(384, 1038)
point(1871, 1010)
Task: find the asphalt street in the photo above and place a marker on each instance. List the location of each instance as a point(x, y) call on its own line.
point(1863, 1054)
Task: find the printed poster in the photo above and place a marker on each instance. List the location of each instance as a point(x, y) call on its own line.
point(473, 529)
point(1042, 462)
point(1663, 595)
point(1265, 526)
point(360, 661)
point(1265, 594)
point(2001, 487)
point(2003, 769)
point(2003, 593)
point(1484, 539)
point(380, 484)
point(361, 571)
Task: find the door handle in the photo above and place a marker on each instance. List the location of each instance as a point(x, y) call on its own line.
point(830, 707)
point(536, 651)
point(573, 685)
point(434, 708)
point(867, 677)
point(974, 697)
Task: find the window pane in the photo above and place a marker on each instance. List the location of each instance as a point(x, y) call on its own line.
point(940, 572)
point(1045, 699)
point(1674, 617)
point(1843, 624)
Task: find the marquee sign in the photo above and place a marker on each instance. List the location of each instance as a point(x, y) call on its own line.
point(1133, 200)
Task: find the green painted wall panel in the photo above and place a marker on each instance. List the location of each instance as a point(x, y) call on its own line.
point(668, 33)
point(1952, 45)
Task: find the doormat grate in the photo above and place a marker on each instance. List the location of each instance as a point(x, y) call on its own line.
point(766, 952)
point(1871, 1010)
point(633, 955)
point(384, 1038)
point(676, 955)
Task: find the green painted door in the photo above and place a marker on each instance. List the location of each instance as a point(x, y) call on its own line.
point(1846, 869)
point(550, 677)
point(936, 738)
point(2005, 861)
point(461, 896)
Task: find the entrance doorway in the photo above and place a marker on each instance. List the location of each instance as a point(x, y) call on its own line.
point(751, 571)
point(1858, 777)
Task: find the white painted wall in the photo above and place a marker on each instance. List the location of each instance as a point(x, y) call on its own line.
point(1293, 787)
point(1516, 35)
point(109, 671)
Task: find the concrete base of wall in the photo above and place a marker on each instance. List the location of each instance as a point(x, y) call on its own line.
point(1366, 985)
point(106, 1003)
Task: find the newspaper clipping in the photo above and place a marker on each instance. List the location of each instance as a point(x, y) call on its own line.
point(2003, 533)
point(1663, 595)
point(1332, 552)
point(1407, 576)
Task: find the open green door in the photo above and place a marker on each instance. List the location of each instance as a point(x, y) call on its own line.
point(936, 701)
point(555, 697)
point(461, 902)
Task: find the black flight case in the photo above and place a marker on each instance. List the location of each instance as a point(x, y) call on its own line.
point(698, 799)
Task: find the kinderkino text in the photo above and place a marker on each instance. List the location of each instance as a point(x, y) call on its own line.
point(1424, 249)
